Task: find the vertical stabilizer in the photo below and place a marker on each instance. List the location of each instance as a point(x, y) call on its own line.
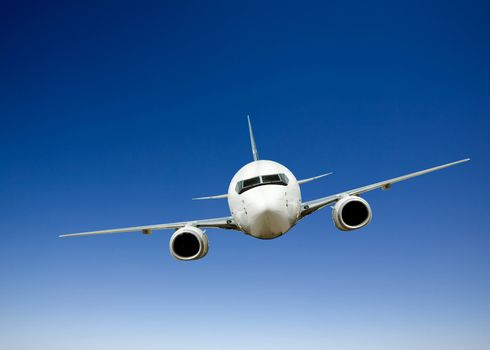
point(252, 140)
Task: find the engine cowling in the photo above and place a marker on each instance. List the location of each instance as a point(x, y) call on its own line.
point(351, 213)
point(189, 243)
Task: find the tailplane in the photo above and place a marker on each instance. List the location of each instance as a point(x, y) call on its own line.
point(313, 178)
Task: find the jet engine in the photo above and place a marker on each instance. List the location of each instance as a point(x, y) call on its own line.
point(351, 213)
point(189, 243)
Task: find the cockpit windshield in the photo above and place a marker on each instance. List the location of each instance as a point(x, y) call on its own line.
point(273, 179)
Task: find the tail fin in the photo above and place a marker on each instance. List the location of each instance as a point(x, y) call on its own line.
point(252, 140)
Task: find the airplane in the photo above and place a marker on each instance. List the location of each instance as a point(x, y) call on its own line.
point(264, 198)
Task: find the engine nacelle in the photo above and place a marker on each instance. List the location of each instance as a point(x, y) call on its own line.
point(351, 213)
point(189, 243)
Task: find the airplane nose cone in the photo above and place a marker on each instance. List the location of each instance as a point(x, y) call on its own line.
point(270, 218)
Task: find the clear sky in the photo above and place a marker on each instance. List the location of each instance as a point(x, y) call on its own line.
point(116, 114)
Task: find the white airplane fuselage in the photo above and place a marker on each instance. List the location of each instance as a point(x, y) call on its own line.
point(267, 210)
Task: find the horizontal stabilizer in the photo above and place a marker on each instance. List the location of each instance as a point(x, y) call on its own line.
point(313, 178)
point(220, 196)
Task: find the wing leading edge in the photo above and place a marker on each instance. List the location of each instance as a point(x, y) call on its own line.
point(224, 223)
point(312, 206)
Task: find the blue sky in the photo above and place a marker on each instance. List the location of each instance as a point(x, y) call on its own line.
point(117, 113)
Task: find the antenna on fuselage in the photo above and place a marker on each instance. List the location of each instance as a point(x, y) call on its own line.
point(252, 140)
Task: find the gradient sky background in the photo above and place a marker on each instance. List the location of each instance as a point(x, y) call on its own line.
point(115, 114)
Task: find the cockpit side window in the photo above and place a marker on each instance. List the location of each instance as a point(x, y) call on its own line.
point(284, 178)
point(273, 179)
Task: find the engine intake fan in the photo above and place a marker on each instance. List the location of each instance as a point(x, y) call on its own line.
point(189, 243)
point(351, 213)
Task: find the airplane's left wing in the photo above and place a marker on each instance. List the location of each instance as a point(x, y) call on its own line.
point(312, 206)
point(224, 223)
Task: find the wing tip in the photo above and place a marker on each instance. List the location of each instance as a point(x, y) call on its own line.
point(460, 161)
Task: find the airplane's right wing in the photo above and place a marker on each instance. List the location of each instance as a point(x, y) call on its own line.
point(312, 206)
point(225, 223)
